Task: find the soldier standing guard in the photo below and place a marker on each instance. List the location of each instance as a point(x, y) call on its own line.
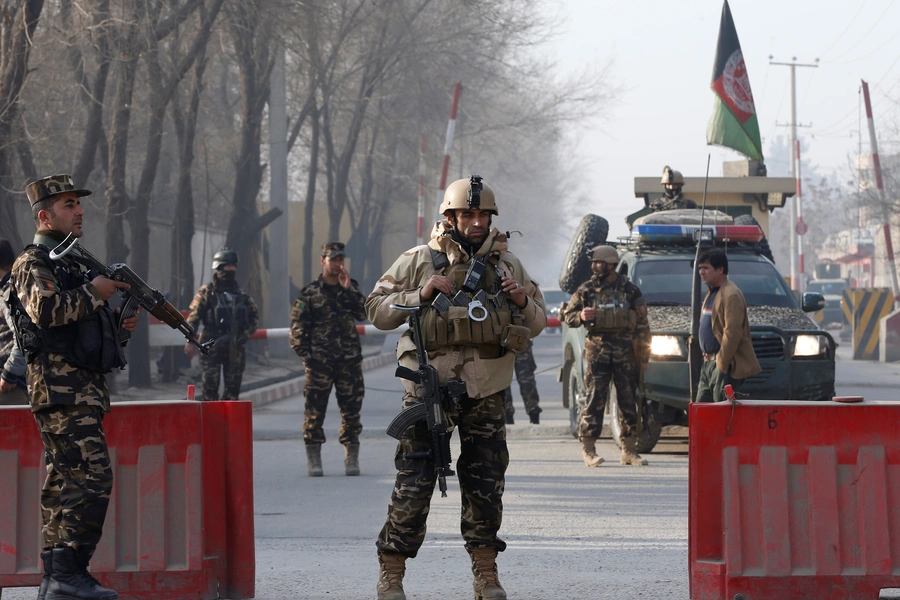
point(56, 308)
point(324, 336)
point(672, 182)
point(229, 317)
point(465, 259)
point(615, 314)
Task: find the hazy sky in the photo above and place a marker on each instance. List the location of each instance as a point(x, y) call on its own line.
point(663, 52)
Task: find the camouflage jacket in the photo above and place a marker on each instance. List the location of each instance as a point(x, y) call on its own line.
point(323, 322)
point(203, 300)
point(677, 202)
point(403, 283)
point(612, 343)
point(51, 380)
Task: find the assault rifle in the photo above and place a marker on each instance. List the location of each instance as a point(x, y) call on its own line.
point(140, 294)
point(436, 401)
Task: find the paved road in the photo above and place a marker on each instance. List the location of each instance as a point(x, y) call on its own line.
point(573, 532)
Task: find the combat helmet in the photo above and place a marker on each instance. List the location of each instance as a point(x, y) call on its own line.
point(224, 257)
point(671, 176)
point(606, 253)
point(470, 193)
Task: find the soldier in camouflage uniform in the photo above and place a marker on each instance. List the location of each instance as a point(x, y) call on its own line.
point(229, 317)
point(478, 353)
point(12, 377)
point(324, 336)
point(525, 367)
point(617, 348)
point(672, 182)
point(69, 396)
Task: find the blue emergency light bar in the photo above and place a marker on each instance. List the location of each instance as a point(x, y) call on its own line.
point(689, 234)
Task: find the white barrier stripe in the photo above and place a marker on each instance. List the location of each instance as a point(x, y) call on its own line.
point(163, 335)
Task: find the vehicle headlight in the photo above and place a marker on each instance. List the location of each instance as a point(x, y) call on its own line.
point(667, 346)
point(808, 345)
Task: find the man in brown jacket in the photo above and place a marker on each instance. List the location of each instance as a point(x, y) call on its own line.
point(724, 331)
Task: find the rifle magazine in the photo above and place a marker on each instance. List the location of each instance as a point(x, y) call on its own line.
point(405, 420)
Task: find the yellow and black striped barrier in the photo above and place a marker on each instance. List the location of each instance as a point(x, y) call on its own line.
point(864, 309)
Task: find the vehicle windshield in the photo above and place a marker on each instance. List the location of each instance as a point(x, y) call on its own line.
point(835, 288)
point(554, 297)
point(669, 282)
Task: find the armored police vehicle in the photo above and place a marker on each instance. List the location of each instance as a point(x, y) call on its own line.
point(797, 358)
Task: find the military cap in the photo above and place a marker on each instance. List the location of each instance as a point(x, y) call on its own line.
point(48, 186)
point(333, 249)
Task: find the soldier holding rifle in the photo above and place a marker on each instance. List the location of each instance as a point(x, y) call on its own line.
point(617, 349)
point(479, 307)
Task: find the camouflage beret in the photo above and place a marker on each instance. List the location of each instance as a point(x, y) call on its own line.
point(48, 186)
point(333, 249)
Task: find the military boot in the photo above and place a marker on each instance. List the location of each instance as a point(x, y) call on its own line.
point(535, 417)
point(314, 460)
point(390, 579)
point(70, 580)
point(351, 459)
point(47, 559)
point(484, 568)
point(629, 453)
point(589, 452)
point(510, 419)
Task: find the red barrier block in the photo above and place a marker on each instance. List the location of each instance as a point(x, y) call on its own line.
point(794, 500)
point(180, 520)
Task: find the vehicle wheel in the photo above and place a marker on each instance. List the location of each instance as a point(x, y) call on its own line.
point(649, 434)
point(763, 244)
point(576, 269)
point(574, 397)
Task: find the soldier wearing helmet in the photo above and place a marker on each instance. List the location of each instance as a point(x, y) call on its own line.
point(229, 317)
point(467, 261)
point(617, 350)
point(672, 182)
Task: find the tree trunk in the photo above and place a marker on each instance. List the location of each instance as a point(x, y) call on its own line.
point(310, 200)
point(18, 21)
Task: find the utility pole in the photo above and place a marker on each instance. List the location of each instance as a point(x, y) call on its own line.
point(796, 276)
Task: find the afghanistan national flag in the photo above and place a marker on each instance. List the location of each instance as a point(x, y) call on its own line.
point(733, 123)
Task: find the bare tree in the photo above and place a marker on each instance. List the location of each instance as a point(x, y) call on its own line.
point(18, 21)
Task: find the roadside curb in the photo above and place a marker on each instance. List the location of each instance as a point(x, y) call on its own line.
point(291, 387)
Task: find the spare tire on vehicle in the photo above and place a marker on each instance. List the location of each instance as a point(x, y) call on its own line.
point(762, 244)
point(576, 269)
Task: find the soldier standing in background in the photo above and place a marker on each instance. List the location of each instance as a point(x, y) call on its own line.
point(56, 305)
point(12, 377)
point(525, 367)
point(229, 317)
point(615, 314)
point(324, 336)
point(672, 182)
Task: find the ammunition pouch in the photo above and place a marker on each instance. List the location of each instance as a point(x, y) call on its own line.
point(515, 338)
point(613, 318)
point(90, 343)
point(455, 328)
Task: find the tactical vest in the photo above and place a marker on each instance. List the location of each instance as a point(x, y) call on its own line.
point(225, 310)
point(454, 327)
point(90, 343)
point(612, 311)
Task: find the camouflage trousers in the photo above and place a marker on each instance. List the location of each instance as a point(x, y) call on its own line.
point(481, 470)
point(79, 479)
point(525, 367)
point(221, 361)
point(347, 379)
point(622, 372)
